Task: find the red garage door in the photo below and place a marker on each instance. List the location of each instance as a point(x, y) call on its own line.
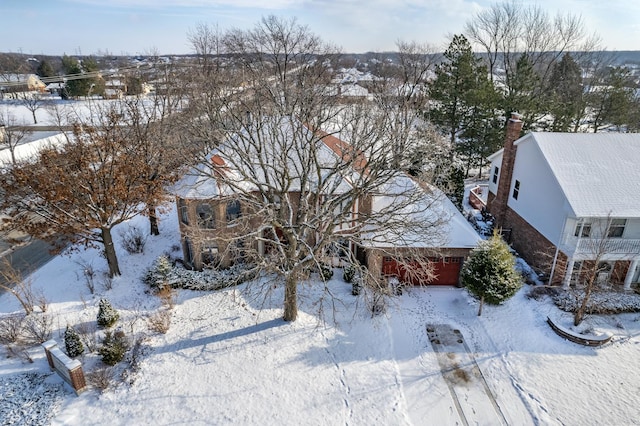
point(446, 271)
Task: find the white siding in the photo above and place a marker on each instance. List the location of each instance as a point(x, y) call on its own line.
point(540, 200)
point(495, 162)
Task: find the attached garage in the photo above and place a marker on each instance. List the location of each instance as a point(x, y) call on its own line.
point(446, 271)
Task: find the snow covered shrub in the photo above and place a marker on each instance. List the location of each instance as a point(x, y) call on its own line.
point(490, 273)
point(72, 342)
point(163, 273)
point(160, 321)
point(356, 287)
point(167, 297)
point(114, 346)
point(100, 378)
point(11, 328)
point(107, 315)
point(325, 272)
point(600, 302)
point(133, 240)
point(88, 333)
point(37, 328)
point(349, 273)
point(158, 275)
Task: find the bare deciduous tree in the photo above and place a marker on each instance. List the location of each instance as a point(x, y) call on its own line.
point(283, 156)
point(82, 188)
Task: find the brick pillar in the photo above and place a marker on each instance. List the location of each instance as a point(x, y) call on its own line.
point(498, 206)
point(77, 380)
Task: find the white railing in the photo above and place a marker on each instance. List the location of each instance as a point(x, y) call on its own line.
point(586, 247)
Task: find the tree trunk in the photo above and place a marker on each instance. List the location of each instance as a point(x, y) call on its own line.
point(481, 304)
point(153, 221)
point(35, 120)
point(110, 252)
point(291, 298)
point(582, 309)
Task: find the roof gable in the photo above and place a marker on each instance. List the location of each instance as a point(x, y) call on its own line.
point(598, 172)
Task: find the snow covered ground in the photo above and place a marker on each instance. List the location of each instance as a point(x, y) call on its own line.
point(228, 358)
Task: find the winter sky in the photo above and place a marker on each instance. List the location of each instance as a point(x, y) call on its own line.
point(141, 26)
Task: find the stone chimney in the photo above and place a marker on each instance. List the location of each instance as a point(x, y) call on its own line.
point(499, 205)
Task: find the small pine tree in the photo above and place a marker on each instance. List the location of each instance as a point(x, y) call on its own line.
point(72, 342)
point(158, 275)
point(114, 346)
point(107, 315)
point(490, 272)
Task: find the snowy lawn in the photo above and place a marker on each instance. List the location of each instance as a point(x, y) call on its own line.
point(229, 358)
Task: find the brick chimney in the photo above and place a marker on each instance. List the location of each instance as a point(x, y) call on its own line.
point(499, 205)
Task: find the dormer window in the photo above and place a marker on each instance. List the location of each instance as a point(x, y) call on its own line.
point(496, 170)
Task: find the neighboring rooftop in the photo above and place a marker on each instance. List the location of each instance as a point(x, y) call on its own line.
point(599, 173)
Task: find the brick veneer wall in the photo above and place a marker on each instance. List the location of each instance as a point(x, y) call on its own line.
point(534, 247)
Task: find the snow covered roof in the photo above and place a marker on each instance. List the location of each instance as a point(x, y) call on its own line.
point(200, 181)
point(29, 146)
point(599, 173)
point(450, 229)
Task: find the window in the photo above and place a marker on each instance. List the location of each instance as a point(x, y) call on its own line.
point(583, 229)
point(210, 254)
point(188, 251)
point(205, 216)
point(516, 190)
point(233, 210)
point(616, 228)
point(184, 211)
point(495, 174)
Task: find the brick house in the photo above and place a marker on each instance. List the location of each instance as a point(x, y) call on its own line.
point(565, 199)
point(216, 225)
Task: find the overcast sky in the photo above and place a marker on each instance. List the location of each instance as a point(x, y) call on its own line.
point(140, 26)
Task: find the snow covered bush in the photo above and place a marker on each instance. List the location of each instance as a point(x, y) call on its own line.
point(160, 321)
point(325, 272)
point(489, 273)
point(37, 328)
point(11, 328)
point(72, 342)
point(163, 273)
point(600, 302)
point(349, 273)
point(133, 240)
point(114, 346)
point(107, 315)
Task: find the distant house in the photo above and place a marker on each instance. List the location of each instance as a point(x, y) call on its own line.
point(15, 83)
point(210, 212)
point(560, 197)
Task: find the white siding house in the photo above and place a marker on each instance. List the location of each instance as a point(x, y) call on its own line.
point(577, 190)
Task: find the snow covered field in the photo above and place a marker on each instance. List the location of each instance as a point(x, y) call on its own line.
point(228, 358)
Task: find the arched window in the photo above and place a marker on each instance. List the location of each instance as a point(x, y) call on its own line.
point(206, 219)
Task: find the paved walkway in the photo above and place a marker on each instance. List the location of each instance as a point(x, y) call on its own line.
point(471, 394)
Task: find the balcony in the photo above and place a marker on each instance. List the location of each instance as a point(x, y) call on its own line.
point(588, 248)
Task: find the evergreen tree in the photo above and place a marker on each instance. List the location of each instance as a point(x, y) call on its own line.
point(45, 69)
point(107, 315)
point(113, 347)
point(490, 273)
point(465, 103)
point(72, 342)
point(566, 94)
point(524, 93)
